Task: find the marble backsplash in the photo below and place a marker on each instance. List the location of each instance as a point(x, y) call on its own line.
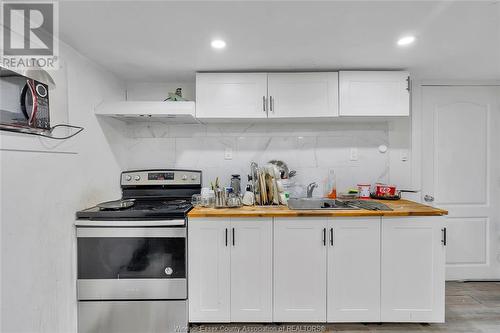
point(311, 149)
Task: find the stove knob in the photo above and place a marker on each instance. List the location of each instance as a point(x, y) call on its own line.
point(193, 177)
point(128, 178)
point(184, 177)
point(137, 178)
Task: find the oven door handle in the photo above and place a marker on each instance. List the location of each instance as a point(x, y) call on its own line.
point(129, 232)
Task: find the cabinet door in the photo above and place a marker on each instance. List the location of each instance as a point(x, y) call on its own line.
point(354, 270)
point(299, 270)
point(295, 95)
point(231, 95)
point(251, 270)
point(374, 93)
point(209, 270)
point(413, 259)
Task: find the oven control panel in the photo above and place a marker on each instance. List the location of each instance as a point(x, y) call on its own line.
point(161, 177)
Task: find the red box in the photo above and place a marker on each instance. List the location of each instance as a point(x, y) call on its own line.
point(382, 190)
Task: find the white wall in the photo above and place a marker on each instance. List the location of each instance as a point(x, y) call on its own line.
point(311, 149)
point(158, 91)
point(43, 183)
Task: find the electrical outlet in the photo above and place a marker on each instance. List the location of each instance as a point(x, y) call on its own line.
point(354, 154)
point(404, 155)
point(228, 153)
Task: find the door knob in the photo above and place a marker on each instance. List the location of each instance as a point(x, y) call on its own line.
point(428, 198)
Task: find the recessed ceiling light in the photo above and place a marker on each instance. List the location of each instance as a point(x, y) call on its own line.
point(406, 40)
point(218, 44)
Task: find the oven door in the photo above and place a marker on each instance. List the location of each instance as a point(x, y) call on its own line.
point(131, 263)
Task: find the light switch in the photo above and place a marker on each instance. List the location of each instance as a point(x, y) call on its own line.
point(228, 153)
point(354, 154)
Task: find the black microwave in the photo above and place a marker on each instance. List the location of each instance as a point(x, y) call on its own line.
point(24, 102)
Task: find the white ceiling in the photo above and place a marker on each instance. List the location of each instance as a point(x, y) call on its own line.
point(170, 41)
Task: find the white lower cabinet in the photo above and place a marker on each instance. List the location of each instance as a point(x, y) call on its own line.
point(413, 259)
point(327, 270)
point(300, 269)
point(209, 270)
point(251, 270)
point(353, 270)
point(316, 269)
point(230, 270)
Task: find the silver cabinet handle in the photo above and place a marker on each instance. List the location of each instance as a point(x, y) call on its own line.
point(271, 103)
point(264, 104)
point(428, 198)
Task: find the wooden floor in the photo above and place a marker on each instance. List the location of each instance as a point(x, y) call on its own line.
point(470, 307)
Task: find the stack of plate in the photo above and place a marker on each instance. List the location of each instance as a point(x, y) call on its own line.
point(266, 185)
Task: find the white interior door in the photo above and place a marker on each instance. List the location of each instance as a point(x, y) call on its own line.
point(294, 95)
point(461, 173)
point(209, 270)
point(251, 270)
point(354, 270)
point(300, 269)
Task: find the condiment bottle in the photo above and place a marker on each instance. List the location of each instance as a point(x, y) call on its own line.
point(332, 185)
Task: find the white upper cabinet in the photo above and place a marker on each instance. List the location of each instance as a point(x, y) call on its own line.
point(413, 255)
point(301, 95)
point(374, 93)
point(231, 95)
point(354, 270)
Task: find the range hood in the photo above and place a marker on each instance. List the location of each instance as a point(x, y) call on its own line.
point(167, 112)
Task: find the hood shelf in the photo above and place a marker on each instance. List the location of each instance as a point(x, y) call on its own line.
point(167, 112)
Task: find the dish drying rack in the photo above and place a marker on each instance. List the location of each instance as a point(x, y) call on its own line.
point(265, 185)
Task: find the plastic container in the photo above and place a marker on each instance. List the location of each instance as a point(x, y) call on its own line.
point(207, 197)
point(236, 184)
point(293, 189)
point(331, 186)
point(364, 191)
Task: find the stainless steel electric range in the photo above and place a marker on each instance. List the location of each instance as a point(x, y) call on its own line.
point(132, 265)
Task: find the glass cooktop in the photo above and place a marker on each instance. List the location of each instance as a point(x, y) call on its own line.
point(141, 209)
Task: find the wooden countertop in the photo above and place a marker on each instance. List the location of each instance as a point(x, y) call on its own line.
point(400, 208)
